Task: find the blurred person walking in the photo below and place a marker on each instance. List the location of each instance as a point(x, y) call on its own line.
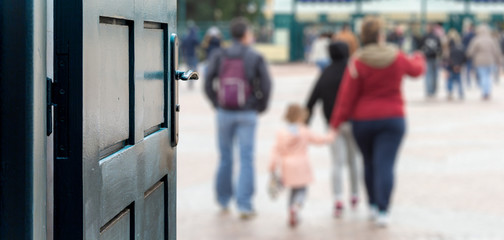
point(290, 155)
point(454, 63)
point(466, 41)
point(396, 37)
point(485, 54)
point(243, 91)
point(343, 149)
point(371, 97)
point(431, 47)
point(189, 45)
point(319, 51)
point(212, 41)
point(346, 35)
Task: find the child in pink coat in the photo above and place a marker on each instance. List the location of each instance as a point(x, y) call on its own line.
point(290, 155)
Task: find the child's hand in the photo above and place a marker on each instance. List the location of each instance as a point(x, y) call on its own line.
point(333, 134)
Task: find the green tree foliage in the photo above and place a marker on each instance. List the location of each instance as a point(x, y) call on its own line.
point(223, 10)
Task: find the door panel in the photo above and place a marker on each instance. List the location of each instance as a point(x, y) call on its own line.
point(119, 228)
point(153, 99)
point(119, 179)
point(113, 84)
point(127, 164)
point(153, 218)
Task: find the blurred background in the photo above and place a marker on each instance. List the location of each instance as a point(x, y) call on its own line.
point(450, 172)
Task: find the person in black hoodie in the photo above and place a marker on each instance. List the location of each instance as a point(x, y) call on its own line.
point(344, 147)
point(431, 46)
point(457, 59)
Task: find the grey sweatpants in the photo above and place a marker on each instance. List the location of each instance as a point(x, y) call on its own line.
point(297, 196)
point(344, 149)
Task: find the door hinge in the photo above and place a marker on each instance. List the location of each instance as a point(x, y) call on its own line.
point(49, 107)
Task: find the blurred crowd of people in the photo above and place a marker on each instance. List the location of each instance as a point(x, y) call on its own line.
point(469, 58)
point(360, 88)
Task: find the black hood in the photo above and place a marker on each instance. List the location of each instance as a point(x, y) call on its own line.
point(339, 51)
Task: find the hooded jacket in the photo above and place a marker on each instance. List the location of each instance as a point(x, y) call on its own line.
point(327, 87)
point(483, 49)
point(456, 57)
point(371, 86)
point(290, 154)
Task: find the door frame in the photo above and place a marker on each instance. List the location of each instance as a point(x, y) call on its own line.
point(23, 119)
point(67, 91)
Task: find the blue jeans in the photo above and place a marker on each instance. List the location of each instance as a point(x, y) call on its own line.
point(379, 143)
point(431, 77)
point(322, 64)
point(485, 78)
point(468, 70)
point(455, 78)
point(239, 125)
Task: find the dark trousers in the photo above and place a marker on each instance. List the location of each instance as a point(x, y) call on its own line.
point(379, 143)
point(455, 79)
point(431, 77)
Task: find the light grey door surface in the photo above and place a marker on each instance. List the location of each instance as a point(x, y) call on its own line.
point(115, 164)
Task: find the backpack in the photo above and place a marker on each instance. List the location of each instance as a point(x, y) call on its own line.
point(234, 88)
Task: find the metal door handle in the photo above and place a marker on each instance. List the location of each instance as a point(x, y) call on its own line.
point(184, 76)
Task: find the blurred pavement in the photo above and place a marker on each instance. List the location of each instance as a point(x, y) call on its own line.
point(450, 176)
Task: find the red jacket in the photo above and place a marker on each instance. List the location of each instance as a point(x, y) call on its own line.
point(373, 93)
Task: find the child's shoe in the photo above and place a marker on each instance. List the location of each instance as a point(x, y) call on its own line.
point(355, 202)
point(382, 220)
point(293, 217)
point(338, 209)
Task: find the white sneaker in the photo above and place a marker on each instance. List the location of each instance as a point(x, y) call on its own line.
point(382, 220)
point(373, 213)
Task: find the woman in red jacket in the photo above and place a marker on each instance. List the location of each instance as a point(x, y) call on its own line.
point(371, 98)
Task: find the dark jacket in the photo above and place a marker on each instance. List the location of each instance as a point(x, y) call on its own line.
point(395, 38)
point(256, 72)
point(213, 44)
point(190, 43)
point(466, 40)
point(327, 86)
point(431, 46)
point(457, 58)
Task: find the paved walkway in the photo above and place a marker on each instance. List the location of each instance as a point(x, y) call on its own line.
point(450, 178)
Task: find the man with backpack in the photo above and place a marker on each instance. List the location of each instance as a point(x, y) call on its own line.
point(431, 47)
point(241, 92)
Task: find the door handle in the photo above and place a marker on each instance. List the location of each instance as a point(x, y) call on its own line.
point(188, 75)
point(174, 76)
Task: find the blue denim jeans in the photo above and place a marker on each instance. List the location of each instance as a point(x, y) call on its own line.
point(431, 77)
point(468, 72)
point(239, 126)
point(455, 79)
point(379, 142)
point(485, 78)
point(323, 64)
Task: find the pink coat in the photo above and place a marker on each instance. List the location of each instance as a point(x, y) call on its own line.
point(290, 154)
